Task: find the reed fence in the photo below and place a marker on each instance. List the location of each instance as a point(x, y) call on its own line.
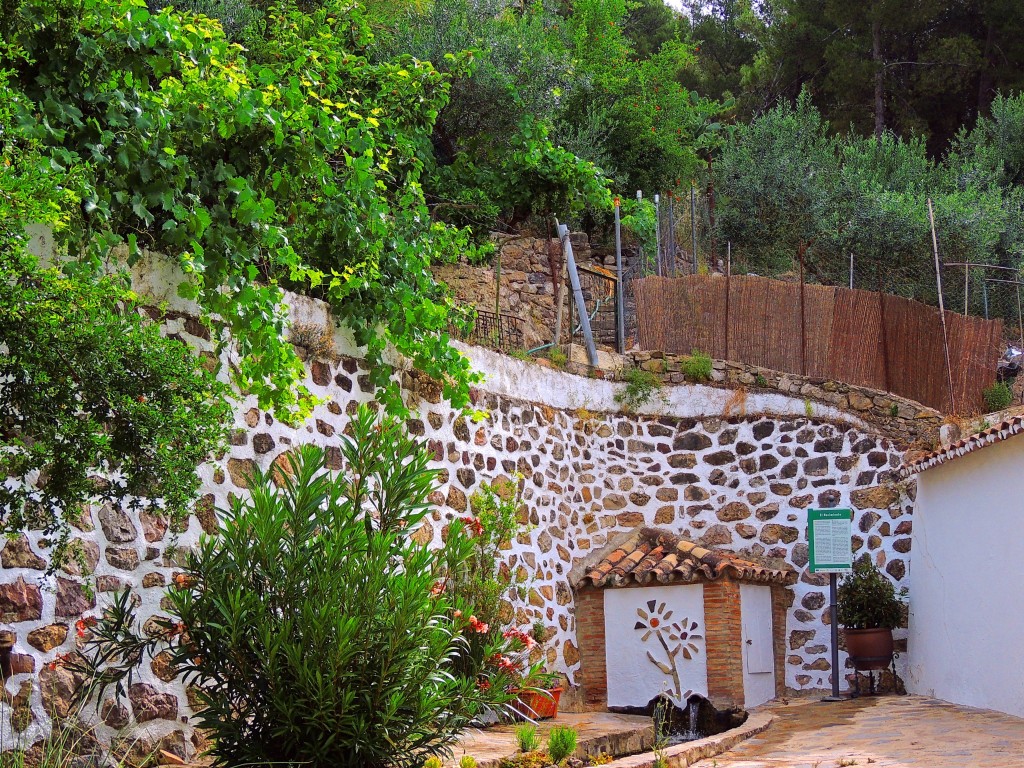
point(865, 338)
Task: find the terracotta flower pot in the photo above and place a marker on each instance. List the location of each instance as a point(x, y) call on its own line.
point(537, 705)
point(869, 648)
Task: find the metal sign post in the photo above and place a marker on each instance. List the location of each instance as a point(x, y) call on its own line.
point(829, 532)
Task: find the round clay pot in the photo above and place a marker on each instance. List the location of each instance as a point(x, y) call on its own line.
point(869, 648)
point(537, 705)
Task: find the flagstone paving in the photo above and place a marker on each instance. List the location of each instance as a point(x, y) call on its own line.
point(602, 731)
point(883, 732)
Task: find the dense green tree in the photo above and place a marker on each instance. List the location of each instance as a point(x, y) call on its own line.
point(778, 182)
point(649, 24)
point(789, 188)
point(727, 37)
point(922, 68)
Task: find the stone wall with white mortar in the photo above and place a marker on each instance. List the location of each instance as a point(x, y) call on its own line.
point(587, 473)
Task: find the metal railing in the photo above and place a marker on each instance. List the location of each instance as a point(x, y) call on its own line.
point(502, 332)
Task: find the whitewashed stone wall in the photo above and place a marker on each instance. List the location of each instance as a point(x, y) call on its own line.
point(742, 481)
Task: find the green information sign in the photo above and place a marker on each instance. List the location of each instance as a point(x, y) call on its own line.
point(828, 533)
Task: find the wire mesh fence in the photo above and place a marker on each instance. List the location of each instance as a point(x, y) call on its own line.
point(502, 332)
point(864, 338)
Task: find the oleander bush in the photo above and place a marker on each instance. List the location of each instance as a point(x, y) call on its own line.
point(313, 624)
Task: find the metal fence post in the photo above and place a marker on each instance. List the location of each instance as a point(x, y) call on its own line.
point(581, 307)
point(620, 312)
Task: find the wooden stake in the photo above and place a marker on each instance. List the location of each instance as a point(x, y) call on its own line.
point(803, 317)
point(967, 272)
point(885, 341)
point(728, 287)
point(942, 309)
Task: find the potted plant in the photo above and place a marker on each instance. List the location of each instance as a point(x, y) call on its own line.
point(539, 691)
point(869, 609)
point(539, 696)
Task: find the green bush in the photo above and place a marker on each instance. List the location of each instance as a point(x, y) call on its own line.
point(640, 388)
point(867, 599)
point(558, 358)
point(997, 397)
point(527, 738)
point(313, 625)
point(561, 742)
point(697, 367)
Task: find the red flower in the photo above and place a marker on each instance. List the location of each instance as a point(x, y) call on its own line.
point(437, 589)
point(84, 623)
point(478, 626)
point(473, 525)
point(483, 685)
point(60, 661)
point(519, 636)
point(182, 580)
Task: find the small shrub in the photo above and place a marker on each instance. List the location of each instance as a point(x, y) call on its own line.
point(894, 410)
point(761, 381)
point(561, 742)
point(467, 762)
point(433, 762)
point(867, 599)
point(808, 407)
point(558, 358)
point(527, 738)
point(697, 367)
point(314, 578)
point(520, 354)
point(539, 630)
point(640, 387)
point(660, 732)
point(997, 397)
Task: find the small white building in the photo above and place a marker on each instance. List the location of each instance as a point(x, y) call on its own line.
point(966, 639)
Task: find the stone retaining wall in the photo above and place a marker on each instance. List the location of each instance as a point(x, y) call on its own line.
point(738, 480)
point(907, 423)
point(527, 290)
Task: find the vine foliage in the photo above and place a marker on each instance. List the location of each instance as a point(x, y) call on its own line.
point(95, 404)
point(291, 166)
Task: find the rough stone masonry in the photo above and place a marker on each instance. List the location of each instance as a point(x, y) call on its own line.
point(587, 472)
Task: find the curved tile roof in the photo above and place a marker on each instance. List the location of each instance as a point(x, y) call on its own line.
point(650, 554)
point(969, 444)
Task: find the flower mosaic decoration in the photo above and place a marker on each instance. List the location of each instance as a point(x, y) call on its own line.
point(676, 637)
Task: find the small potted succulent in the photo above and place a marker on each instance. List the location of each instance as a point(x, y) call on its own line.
point(869, 609)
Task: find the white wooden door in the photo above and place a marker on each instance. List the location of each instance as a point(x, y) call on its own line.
point(757, 628)
point(758, 653)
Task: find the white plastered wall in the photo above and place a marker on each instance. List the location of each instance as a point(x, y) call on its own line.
point(967, 581)
point(641, 627)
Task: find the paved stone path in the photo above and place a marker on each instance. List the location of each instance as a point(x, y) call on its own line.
point(605, 731)
point(883, 732)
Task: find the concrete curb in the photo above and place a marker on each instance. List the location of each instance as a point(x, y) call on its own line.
point(683, 755)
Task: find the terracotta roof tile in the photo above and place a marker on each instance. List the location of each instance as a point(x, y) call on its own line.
point(650, 554)
point(969, 444)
